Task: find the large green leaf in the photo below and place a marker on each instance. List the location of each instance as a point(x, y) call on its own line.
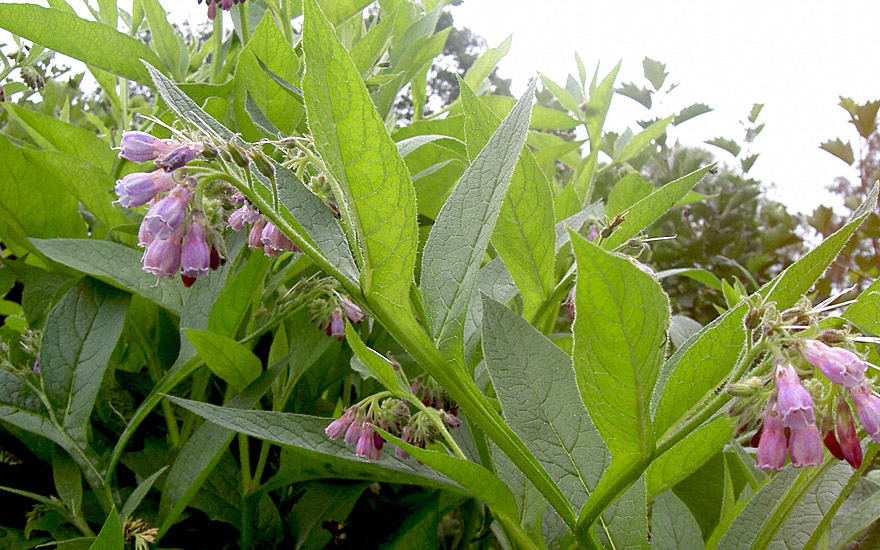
point(80, 334)
point(485, 64)
point(535, 383)
point(226, 358)
point(115, 264)
point(372, 183)
point(367, 52)
point(494, 281)
point(698, 368)
point(233, 303)
point(167, 41)
point(268, 46)
point(33, 205)
point(524, 236)
point(619, 343)
point(626, 520)
point(643, 213)
point(378, 366)
point(673, 527)
point(460, 235)
point(110, 537)
point(89, 41)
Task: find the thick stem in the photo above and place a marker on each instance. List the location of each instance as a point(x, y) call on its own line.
point(216, 48)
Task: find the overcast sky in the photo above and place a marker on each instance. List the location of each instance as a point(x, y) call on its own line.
point(795, 57)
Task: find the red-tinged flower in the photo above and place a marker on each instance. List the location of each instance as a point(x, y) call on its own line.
point(867, 408)
point(340, 426)
point(794, 401)
point(167, 215)
point(805, 446)
point(833, 445)
point(216, 261)
point(774, 443)
point(195, 258)
point(224, 4)
point(850, 445)
point(256, 232)
point(179, 157)
point(839, 365)
point(141, 187)
point(274, 241)
point(162, 257)
point(369, 444)
point(353, 433)
point(141, 146)
point(353, 311)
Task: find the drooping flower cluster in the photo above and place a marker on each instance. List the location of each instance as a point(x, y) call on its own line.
point(173, 231)
point(433, 394)
point(224, 5)
point(263, 233)
point(331, 310)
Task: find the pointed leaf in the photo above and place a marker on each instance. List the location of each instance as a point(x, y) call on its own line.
point(839, 149)
point(378, 366)
point(136, 496)
point(226, 358)
point(642, 140)
point(89, 41)
point(690, 112)
point(460, 235)
point(167, 41)
point(673, 526)
point(523, 235)
point(80, 334)
point(619, 342)
point(485, 64)
point(535, 383)
point(728, 145)
point(374, 189)
point(642, 95)
point(110, 537)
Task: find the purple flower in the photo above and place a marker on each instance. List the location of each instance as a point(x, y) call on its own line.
point(162, 257)
point(369, 444)
point(256, 233)
point(353, 433)
point(839, 365)
point(144, 236)
point(643, 268)
point(196, 256)
point(139, 188)
point(141, 146)
point(336, 326)
point(805, 446)
point(868, 409)
point(179, 157)
point(240, 217)
point(773, 444)
point(795, 402)
point(274, 241)
point(338, 427)
point(850, 445)
point(354, 313)
point(570, 303)
point(167, 215)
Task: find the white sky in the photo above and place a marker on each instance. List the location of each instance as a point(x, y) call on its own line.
point(795, 57)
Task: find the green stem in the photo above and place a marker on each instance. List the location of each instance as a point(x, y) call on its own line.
point(245, 23)
point(431, 413)
point(285, 22)
point(216, 49)
point(244, 454)
point(261, 465)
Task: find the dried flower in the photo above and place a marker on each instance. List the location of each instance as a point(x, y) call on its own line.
point(179, 157)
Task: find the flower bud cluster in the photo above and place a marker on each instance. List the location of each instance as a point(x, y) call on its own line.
point(433, 394)
point(263, 233)
point(224, 5)
point(358, 422)
point(330, 311)
point(173, 232)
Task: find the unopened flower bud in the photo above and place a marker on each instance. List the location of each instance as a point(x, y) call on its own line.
point(846, 435)
point(179, 157)
point(238, 154)
point(142, 147)
point(262, 163)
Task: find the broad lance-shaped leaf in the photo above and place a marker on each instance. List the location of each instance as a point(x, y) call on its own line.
point(226, 358)
point(524, 236)
point(111, 536)
point(80, 334)
point(115, 264)
point(372, 183)
point(673, 527)
point(303, 213)
point(619, 343)
point(378, 365)
point(535, 383)
point(89, 41)
point(455, 247)
point(643, 213)
point(698, 368)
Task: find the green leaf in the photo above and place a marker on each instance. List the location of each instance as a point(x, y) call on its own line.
point(167, 41)
point(690, 112)
point(655, 72)
point(115, 264)
point(698, 274)
point(839, 149)
point(629, 190)
point(378, 365)
point(626, 520)
point(854, 521)
point(460, 235)
point(688, 455)
point(372, 183)
point(52, 133)
point(543, 118)
point(89, 41)
point(619, 343)
point(80, 334)
point(485, 64)
point(226, 358)
point(642, 140)
point(865, 313)
point(110, 537)
point(524, 236)
point(535, 383)
point(565, 98)
point(494, 281)
point(728, 145)
point(644, 212)
point(321, 501)
point(68, 481)
point(673, 527)
point(748, 162)
point(641, 95)
point(136, 496)
point(269, 47)
point(697, 369)
point(231, 307)
point(756, 110)
point(681, 329)
point(367, 52)
point(31, 204)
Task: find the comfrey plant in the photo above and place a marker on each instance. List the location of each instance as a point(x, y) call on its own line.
point(353, 286)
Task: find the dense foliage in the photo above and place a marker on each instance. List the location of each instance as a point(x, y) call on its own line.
point(286, 286)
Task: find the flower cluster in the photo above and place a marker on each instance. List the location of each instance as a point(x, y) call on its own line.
point(263, 233)
point(433, 394)
point(173, 232)
point(330, 312)
point(224, 5)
